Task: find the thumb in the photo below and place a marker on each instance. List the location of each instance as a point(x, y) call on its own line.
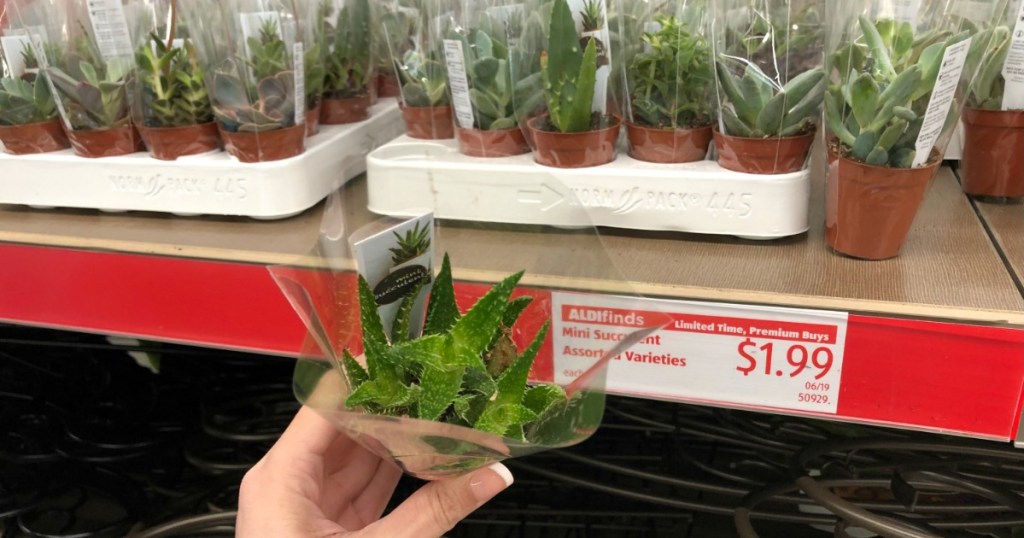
point(438, 506)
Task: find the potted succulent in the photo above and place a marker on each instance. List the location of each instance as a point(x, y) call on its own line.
point(572, 134)
point(315, 73)
point(350, 69)
point(393, 30)
point(768, 58)
point(993, 123)
point(29, 121)
point(669, 108)
point(172, 106)
point(881, 158)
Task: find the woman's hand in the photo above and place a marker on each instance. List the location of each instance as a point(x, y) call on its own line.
point(316, 482)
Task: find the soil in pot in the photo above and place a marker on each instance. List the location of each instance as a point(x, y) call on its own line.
point(167, 144)
point(575, 150)
point(387, 86)
point(266, 146)
point(870, 209)
point(993, 145)
point(429, 123)
point(497, 143)
point(763, 155)
point(668, 145)
point(41, 137)
point(342, 111)
point(313, 120)
point(106, 142)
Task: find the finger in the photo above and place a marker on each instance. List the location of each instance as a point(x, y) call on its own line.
point(438, 506)
point(347, 482)
point(369, 506)
point(308, 433)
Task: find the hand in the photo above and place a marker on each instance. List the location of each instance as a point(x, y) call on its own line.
point(317, 483)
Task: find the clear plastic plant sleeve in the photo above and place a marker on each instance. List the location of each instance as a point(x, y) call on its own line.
point(898, 78)
point(557, 265)
point(666, 66)
point(768, 58)
point(254, 56)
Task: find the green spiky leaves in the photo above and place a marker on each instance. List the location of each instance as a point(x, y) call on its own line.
point(412, 244)
point(447, 374)
point(569, 74)
point(348, 59)
point(171, 85)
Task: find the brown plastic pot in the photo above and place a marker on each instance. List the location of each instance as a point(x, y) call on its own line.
point(497, 143)
point(574, 150)
point(169, 143)
point(870, 209)
point(387, 86)
point(667, 146)
point(993, 144)
point(106, 142)
point(763, 155)
point(266, 146)
point(313, 120)
point(41, 137)
point(429, 123)
point(342, 111)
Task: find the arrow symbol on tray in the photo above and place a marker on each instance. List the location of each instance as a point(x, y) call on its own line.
point(544, 196)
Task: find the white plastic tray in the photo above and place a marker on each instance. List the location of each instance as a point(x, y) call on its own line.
point(701, 197)
point(209, 184)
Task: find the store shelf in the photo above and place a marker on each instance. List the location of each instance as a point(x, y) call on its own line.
point(942, 323)
point(1007, 225)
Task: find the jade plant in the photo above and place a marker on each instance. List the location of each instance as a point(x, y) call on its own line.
point(464, 369)
point(670, 81)
point(424, 81)
point(877, 109)
point(991, 47)
point(26, 99)
point(756, 107)
point(93, 92)
point(348, 62)
point(173, 86)
point(569, 74)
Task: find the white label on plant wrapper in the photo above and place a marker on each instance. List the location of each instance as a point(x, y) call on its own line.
point(1013, 67)
point(14, 47)
point(110, 28)
point(766, 357)
point(950, 70)
point(977, 11)
point(906, 10)
point(299, 61)
point(455, 58)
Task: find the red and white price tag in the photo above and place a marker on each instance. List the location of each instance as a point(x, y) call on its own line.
point(765, 357)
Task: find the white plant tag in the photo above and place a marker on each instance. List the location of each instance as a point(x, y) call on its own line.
point(299, 59)
point(1013, 67)
point(977, 11)
point(14, 49)
point(110, 28)
point(458, 81)
point(950, 70)
point(906, 11)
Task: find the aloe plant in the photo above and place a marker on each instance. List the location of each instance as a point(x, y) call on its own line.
point(26, 98)
point(349, 66)
point(172, 84)
point(569, 74)
point(877, 109)
point(670, 81)
point(987, 90)
point(463, 370)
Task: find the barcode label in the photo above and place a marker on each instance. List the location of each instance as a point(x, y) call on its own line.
point(459, 83)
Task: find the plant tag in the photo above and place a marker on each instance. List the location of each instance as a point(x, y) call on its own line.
point(394, 260)
point(950, 70)
point(977, 11)
point(458, 81)
point(906, 11)
point(110, 28)
point(759, 356)
point(299, 65)
point(15, 47)
point(1013, 66)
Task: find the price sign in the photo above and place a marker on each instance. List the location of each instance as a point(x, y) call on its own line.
point(765, 357)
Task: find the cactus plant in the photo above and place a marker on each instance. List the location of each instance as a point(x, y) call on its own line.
point(173, 87)
point(757, 108)
point(464, 370)
point(349, 66)
point(569, 75)
point(877, 109)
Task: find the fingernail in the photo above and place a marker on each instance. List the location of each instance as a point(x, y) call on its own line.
point(490, 481)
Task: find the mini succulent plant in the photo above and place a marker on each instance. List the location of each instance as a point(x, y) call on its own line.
point(172, 84)
point(92, 92)
point(348, 62)
point(877, 109)
point(26, 99)
point(755, 106)
point(272, 105)
point(987, 90)
point(413, 244)
point(569, 74)
point(392, 36)
point(671, 80)
point(424, 80)
point(464, 369)
point(492, 90)
point(592, 16)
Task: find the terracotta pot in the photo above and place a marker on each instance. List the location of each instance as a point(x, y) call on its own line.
point(574, 150)
point(870, 209)
point(763, 155)
point(266, 146)
point(313, 120)
point(668, 145)
point(499, 143)
point(342, 111)
point(387, 86)
point(169, 143)
point(41, 137)
point(430, 123)
point(106, 142)
point(993, 145)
